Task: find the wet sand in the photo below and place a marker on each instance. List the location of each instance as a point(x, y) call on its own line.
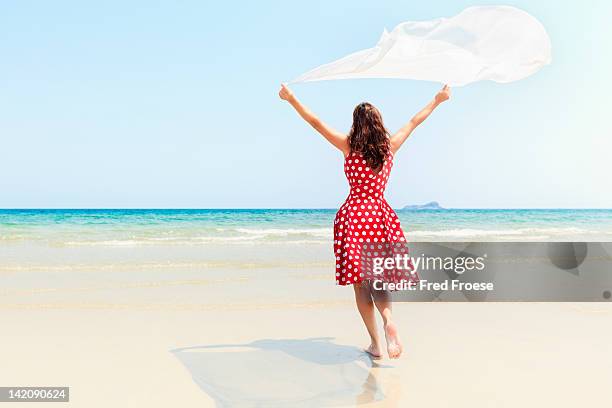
point(264, 334)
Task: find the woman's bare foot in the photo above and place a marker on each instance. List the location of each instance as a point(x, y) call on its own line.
point(394, 345)
point(374, 351)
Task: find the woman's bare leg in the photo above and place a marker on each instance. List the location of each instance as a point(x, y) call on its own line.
point(382, 299)
point(363, 297)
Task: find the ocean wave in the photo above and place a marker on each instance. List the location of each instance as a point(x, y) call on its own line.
point(319, 232)
point(189, 242)
point(289, 236)
point(518, 232)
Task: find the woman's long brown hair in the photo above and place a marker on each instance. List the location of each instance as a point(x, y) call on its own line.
point(369, 136)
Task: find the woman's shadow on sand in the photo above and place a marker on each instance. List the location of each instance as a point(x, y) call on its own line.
point(283, 372)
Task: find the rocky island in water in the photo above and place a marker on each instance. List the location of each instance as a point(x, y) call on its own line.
point(432, 205)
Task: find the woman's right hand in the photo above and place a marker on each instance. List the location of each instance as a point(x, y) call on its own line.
point(443, 95)
point(285, 93)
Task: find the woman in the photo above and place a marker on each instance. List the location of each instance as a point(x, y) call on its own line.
point(365, 217)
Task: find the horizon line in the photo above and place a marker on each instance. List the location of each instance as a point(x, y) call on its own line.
point(290, 208)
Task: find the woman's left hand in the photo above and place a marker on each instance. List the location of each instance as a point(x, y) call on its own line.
point(285, 93)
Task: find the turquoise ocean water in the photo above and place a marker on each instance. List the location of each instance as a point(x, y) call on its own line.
point(292, 226)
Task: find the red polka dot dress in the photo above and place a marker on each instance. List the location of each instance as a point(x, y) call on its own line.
point(366, 227)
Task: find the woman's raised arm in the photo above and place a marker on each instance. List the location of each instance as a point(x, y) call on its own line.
point(398, 139)
point(333, 136)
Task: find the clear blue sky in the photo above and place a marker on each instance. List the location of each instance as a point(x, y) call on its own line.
point(174, 104)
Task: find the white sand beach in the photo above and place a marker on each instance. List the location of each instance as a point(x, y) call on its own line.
point(163, 327)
